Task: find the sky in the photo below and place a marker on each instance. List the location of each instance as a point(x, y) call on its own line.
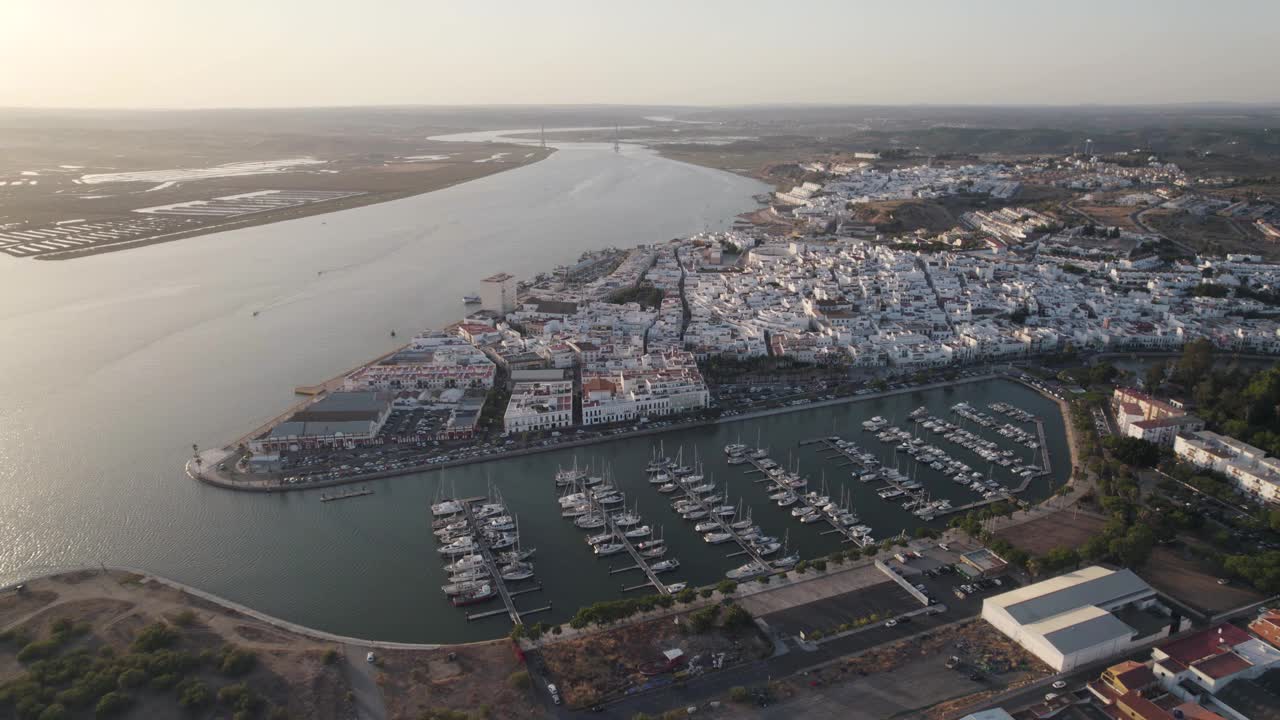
point(290, 53)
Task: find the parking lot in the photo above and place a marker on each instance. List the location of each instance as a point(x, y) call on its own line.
point(882, 601)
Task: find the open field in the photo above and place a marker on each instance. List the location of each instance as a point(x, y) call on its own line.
point(1061, 529)
point(1110, 215)
point(587, 669)
point(907, 678)
point(1210, 233)
point(292, 673)
point(1190, 582)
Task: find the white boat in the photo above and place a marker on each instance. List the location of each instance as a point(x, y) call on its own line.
point(706, 526)
point(748, 571)
point(715, 538)
point(471, 299)
point(590, 522)
point(639, 532)
point(665, 565)
point(654, 552)
point(734, 449)
point(606, 549)
point(446, 508)
point(786, 563)
point(674, 588)
point(513, 573)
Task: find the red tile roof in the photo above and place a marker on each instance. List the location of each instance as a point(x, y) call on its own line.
point(1224, 665)
point(1208, 643)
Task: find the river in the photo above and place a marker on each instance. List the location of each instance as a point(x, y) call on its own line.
point(113, 365)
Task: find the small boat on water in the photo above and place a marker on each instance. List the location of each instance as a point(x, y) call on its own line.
point(607, 549)
point(479, 595)
point(747, 572)
point(471, 299)
point(514, 573)
point(665, 565)
point(677, 587)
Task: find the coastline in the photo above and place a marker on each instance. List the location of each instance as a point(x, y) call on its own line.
point(211, 458)
point(143, 577)
point(296, 213)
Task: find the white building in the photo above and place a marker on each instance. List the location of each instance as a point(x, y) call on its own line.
point(539, 405)
point(1079, 617)
point(1245, 465)
point(498, 293)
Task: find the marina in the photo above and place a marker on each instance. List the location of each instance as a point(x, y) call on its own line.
point(672, 522)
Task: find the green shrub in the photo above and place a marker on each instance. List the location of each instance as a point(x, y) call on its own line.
point(131, 678)
point(38, 650)
point(193, 694)
point(155, 636)
point(54, 712)
point(185, 618)
point(519, 680)
point(739, 694)
point(727, 587)
point(164, 682)
point(330, 656)
point(112, 703)
point(235, 661)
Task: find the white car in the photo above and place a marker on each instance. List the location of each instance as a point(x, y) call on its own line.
point(1050, 696)
point(1060, 685)
point(555, 694)
point(891, 623)
point(371, 658)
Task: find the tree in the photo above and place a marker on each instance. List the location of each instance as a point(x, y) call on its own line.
point(727, 587)
point(1153, 378)
point(736, 617)
point(739, 694)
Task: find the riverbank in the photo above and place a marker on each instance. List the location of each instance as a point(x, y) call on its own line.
point(206, 471)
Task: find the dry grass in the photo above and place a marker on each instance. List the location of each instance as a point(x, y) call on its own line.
point(1189, 581)
point(605, 664)
point(476, 679)
point(1061, 529)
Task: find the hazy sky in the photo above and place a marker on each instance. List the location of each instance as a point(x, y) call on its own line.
point(216, 53)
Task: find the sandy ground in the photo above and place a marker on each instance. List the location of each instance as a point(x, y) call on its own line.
point(1189, 581)
point(1061, 529)
point(291, 670)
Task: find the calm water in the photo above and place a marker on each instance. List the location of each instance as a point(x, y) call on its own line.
point(112, 366)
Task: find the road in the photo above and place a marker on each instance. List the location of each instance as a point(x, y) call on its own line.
point(362, 677)
point(798, 657)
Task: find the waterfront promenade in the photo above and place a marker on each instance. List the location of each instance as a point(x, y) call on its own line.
point(207, 470)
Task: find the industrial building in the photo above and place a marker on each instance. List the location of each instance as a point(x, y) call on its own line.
point(339, 419)
point(1079, 617)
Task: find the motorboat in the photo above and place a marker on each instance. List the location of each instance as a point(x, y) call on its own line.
point(472, 597)
point(748, 572)
point(638, 532)
point(715, 538)
point(515, 573)
point(665, 565)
